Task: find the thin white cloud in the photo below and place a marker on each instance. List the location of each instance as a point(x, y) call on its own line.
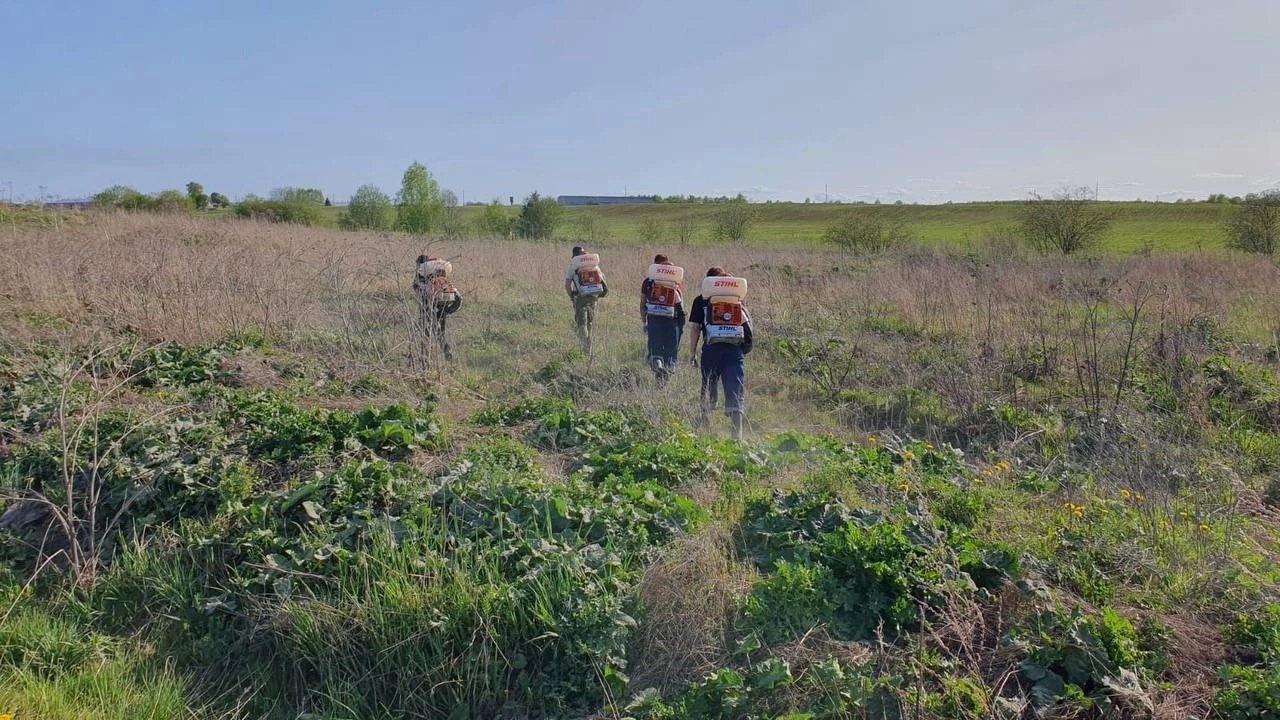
point(1129, 183)
point(971, 186)
point(1218, 176)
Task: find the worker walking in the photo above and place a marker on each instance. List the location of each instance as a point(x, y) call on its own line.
point(662, 312)
point(718, 319)
point(437, 300)
point(585, 284)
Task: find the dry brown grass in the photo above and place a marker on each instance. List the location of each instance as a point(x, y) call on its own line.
point(690, 595)
point(954, 324)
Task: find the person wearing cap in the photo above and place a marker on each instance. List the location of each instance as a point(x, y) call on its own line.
point(663, 332)
point(584, 306)
point(437, 300)
point(723, 363)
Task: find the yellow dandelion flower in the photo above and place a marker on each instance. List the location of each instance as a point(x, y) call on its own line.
point(1204, 528)
point(1183, 514)
point(977, 481)
point(1125, 494)
point(872, 441)
point(1078, 512)
point(904, 487)
point(1139, 497)
point(908, 456)
point(1068, 505)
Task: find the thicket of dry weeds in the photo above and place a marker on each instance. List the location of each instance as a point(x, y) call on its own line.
point(921, 341)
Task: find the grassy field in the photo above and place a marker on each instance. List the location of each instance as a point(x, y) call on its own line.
point(976, 483)
point(1158, 226)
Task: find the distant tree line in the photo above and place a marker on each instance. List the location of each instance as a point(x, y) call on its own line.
point(696, 199)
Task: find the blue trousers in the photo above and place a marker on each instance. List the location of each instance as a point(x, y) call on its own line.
point(664, 339)
point(724, 364)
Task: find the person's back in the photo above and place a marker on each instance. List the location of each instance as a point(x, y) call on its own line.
point(719, 321)
point(438, 298)
point(585, 284)
point(662, 315)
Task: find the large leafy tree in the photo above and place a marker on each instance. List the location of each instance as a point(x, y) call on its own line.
point(418, 204)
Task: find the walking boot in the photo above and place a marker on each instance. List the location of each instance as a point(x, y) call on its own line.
point(736, 419)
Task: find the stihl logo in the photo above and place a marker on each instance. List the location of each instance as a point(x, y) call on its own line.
point(724, 283)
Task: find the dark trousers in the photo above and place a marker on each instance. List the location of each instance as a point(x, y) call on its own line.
point(664, 342)
point(724, 364)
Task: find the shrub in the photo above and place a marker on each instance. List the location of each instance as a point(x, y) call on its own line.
point(369, 209)
point(863, 232)
point(733, 221)
point(280, 211)
point(495, 220)
point(1069, 222)
point(539, 217)
point(1254, 226)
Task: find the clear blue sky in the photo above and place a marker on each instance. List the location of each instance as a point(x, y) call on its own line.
point(924, 100)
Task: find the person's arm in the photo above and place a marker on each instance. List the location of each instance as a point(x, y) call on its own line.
point(695, 332)
point(568, 287)
point(746, 337)
point(644, 297)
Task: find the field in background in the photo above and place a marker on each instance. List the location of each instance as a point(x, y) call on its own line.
point(1138, 225)
point(976, 482)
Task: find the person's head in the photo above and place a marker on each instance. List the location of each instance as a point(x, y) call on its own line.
point(661, 259)
point(422, 259)
point(716, 271)
point(577, 250)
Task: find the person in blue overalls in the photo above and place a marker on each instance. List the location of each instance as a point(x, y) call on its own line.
point(723, 363)
point(663, 330)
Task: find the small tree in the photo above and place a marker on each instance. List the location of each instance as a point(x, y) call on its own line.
point(684, 228)
point(1254, 225)
point(1068, 222)
point(418, 203)
point(864, 232)
point(369, 209)
point(495, 220)
point(649, 231)
point(539, 217)
point(733, 221)
point(195, 192)
point(452, 224)
point(219, 200)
